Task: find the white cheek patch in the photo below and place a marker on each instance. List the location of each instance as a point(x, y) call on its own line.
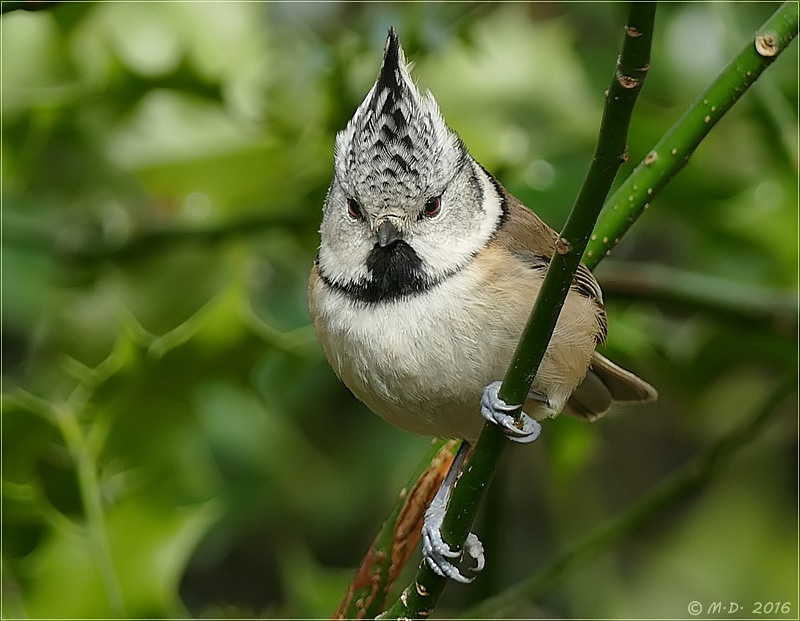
point(345, 260)
point(492, 207)
point(450, 253)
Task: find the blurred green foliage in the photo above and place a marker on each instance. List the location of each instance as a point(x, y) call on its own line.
point(174, 443)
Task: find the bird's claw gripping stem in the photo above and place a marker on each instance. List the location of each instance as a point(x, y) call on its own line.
point(438, 554)
point(434, 549)
point(522, 429)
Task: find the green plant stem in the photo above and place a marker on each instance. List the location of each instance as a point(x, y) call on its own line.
point(27, 5)
point(97, 533)
point(609, 155)
point(368, 598)
point(672, 152)
point(730, 299)
point(419, 599)
point(63, 416)
point(670, 492)
point(20, 234)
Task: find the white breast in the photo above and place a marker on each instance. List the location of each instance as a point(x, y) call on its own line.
point(422, 362)
point(419, 362)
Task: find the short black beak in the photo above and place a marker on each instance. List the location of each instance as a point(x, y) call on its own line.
point(387, 233)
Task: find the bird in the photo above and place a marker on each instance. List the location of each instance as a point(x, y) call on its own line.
point(425, 276)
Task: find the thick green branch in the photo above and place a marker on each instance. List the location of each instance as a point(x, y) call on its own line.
point(672, 152)
point(670, 492)
point(610, 153)
point(420, 598)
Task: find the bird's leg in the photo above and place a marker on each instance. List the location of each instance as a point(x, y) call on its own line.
point(522, 429)
point(434, 549)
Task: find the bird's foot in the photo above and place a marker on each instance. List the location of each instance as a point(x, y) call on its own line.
point(522, 429)
point(438, 554)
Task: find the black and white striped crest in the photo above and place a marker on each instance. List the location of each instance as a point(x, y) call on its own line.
point(396, 147)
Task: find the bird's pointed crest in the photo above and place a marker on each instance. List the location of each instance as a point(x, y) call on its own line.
point(395, 71)
point(396, 146)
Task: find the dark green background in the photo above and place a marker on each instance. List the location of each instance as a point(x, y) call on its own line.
point(163, 171)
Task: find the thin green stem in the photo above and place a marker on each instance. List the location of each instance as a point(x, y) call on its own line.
point(22, 235)
point(97, 532)
point(27, 5)
point(672, 152)
point(730, 299)
point(64, 417)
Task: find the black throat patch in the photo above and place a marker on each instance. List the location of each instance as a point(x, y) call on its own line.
point(396, 272)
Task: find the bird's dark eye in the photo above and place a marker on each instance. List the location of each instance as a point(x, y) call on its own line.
point(432, 206)
point(354, 209)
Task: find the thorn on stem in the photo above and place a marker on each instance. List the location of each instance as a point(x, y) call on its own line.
point(766, 45)
point(633, 32)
